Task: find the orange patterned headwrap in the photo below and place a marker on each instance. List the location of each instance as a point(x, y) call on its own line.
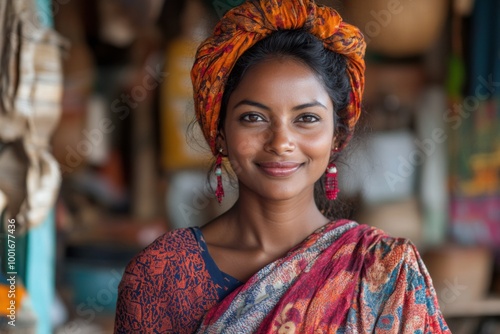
point(245, 25)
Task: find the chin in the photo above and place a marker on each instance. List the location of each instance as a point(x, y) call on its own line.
point(283, 195)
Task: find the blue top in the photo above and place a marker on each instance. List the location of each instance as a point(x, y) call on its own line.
point(225, 283)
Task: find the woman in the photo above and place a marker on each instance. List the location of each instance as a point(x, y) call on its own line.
point(277, 92)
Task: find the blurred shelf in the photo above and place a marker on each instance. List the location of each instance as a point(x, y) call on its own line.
point(487, 307)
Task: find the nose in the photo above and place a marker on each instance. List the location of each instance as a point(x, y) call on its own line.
point(279, 140)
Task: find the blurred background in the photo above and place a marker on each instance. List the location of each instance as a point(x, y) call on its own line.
point(96, 160)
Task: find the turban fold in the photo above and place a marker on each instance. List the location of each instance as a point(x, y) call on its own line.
point(245, 25)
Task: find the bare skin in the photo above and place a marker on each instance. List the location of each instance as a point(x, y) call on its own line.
point(278, 136)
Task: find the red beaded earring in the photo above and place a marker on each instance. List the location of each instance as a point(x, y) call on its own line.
point(219, 191)
point(331, 183)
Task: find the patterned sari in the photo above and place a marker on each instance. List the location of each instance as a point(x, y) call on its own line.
point(344, 278)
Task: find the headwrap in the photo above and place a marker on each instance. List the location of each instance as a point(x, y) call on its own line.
point(245, 25)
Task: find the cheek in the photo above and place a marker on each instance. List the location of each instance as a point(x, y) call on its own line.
point(242, 145)
point(319, 145)
point(240, 149)
point(319, 151)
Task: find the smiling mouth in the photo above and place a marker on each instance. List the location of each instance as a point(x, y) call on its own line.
point(279, 169)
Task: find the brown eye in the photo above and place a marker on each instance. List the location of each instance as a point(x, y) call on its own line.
point(308, 118)
point(252, 118)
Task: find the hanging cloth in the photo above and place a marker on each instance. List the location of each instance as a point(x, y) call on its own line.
point(30, 95)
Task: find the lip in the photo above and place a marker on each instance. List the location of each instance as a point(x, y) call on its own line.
point(279, 169)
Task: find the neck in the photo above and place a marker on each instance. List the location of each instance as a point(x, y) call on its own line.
point(274, 226)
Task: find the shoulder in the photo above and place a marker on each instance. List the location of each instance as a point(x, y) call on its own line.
point(379, 247)
point(170, 250)
point(397, 285)
point(393, 251)
point(379, 256)
point(166, 287)
point(393, 261)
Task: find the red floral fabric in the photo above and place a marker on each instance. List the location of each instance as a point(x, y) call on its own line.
point(345, 278)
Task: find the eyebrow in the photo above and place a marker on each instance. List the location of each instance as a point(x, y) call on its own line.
point(309, 105)
point(252, 103)
point(296, 108)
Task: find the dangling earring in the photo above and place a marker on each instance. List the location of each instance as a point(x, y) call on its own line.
point(219, 191)
point(331, 183)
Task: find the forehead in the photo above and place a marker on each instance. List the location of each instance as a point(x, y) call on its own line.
point(281, 80)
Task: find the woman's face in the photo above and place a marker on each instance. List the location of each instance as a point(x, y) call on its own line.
point(278, 131)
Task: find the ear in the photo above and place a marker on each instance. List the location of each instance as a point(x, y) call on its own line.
point(335, 142)
point(220, 141)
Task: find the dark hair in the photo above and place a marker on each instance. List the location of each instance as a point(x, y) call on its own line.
point(330, 67)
